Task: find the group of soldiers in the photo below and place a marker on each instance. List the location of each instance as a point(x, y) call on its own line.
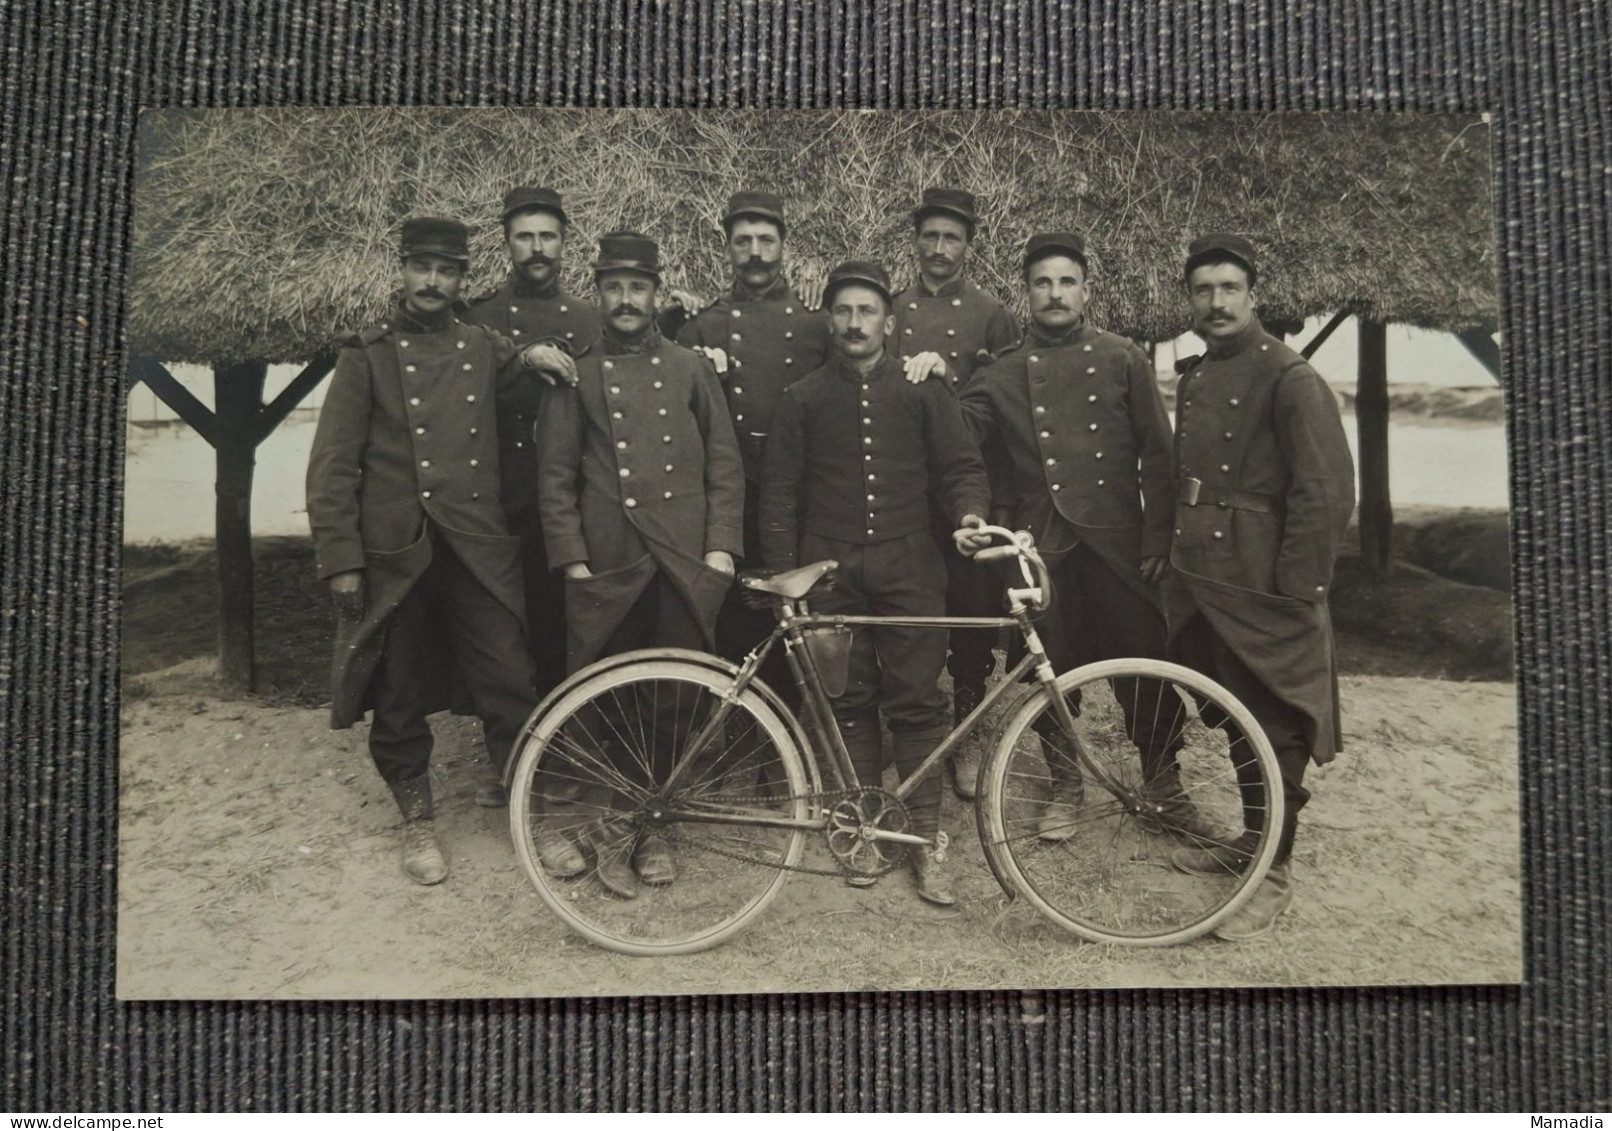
point(492, 478)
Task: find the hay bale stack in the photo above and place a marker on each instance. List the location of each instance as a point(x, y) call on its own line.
point(263, 234)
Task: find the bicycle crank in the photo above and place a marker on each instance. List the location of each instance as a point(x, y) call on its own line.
point(867, 833)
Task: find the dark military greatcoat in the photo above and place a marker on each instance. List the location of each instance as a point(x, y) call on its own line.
point(772, 341)
point(958, 322)
point(639, 472)
point(1088, 439)
point(408, 437)
point(858, 458)
point(526, 315)
point(1265, 490)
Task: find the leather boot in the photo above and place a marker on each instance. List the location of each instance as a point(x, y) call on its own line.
point(490, 792)
point(865, 744)
point(1168, 810)
point(965, 757)
point(1256, 917)
point(933, 874)
point(423, 861)
point(1216, 858)
point(612, 844)
point(1060, 812)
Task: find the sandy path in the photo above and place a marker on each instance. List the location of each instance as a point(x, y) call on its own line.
point(258, 859)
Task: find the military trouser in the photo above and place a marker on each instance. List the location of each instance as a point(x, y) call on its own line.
point(1096, 615)
point(894, 670)
point(448, 605)
point(1199, 646)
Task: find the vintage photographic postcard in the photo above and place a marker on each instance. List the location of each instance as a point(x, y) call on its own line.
point(483, 468)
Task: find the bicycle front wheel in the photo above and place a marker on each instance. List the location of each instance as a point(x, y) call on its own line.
point(1154, 825)
point(670, 859)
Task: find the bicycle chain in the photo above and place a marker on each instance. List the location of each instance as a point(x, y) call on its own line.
point(828, 800)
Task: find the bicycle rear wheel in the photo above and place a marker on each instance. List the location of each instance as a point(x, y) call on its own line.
point(1173, 763)
point(596, 771)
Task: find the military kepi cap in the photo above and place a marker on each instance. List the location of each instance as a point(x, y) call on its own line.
point(523, 197)
point(1222, 243)
point(435, 235)
point(757, 205)
point(952, 202)
point(1044, 244)
point(628, 251)
point(861, 272)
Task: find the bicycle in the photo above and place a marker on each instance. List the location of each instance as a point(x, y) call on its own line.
point(692, 753)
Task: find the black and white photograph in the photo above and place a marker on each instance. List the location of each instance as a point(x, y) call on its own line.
point(595, 552)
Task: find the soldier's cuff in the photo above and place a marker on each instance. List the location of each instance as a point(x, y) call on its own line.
point(340, 559)
point(566, 551)
point(726, 538)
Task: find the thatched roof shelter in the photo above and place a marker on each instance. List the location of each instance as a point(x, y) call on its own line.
point(263, 234)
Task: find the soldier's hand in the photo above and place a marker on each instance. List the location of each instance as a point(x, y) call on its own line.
point(347, 589)
point(922, 366)
point(687, 299)
point(551, 363)
point(810, 283)
point(968, 538)
point(576, 571)
point(721, 561)
point(718, 357)
point(1154, 569)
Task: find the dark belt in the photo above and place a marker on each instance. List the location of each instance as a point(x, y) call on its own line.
point(1193, 494)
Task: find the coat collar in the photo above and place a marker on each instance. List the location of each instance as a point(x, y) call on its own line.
point(614, 346)
point(1076, 335)
point(779, 288)
point(1218, 349)
point(845, 371)
point(422, 323)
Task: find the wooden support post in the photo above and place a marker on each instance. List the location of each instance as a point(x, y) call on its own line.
point(1371, 416)
point(237, 401)
point(1481, 345)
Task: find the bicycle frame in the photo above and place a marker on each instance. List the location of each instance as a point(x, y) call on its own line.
point(791, 629)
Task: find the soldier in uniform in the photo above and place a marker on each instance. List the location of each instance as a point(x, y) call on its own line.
point(641, 490)
point(408, 529)
point(854, 453)
point(530, 307)
point(945, 318)
point(761, 338)
point(1078, 412)
point(1265, 491)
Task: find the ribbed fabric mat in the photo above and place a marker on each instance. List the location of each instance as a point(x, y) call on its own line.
point(73, 74)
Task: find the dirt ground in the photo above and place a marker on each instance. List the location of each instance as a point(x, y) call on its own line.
point(258, 859)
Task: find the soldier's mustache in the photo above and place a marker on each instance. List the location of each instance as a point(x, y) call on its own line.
point(430, 292)
point(537, 259)
point(755, 262)
point(1055, 304)
point(855, 335)
point(626, 308)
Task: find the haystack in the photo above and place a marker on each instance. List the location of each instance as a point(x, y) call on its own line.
point(263, 235)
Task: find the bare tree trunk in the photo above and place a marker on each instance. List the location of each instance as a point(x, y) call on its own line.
point(1371, 414)
point(237, 400)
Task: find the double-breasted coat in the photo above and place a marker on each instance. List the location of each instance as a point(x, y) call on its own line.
point(1087, 439)
point(408, 440)
point(772, 341)
point(1265, 488)
point(959, 321)
point(526, 315)
point(639, 472)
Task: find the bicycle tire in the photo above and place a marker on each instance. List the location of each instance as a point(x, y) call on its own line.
point(1100, 865)
point(618, 761)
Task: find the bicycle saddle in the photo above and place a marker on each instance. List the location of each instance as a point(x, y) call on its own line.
point(792, 584)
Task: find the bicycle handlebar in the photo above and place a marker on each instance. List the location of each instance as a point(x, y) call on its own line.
point(1019, 545)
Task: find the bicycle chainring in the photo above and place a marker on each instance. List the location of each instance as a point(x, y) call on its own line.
point(853, 818)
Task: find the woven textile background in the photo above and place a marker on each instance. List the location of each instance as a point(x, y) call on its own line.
point(73, 74)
